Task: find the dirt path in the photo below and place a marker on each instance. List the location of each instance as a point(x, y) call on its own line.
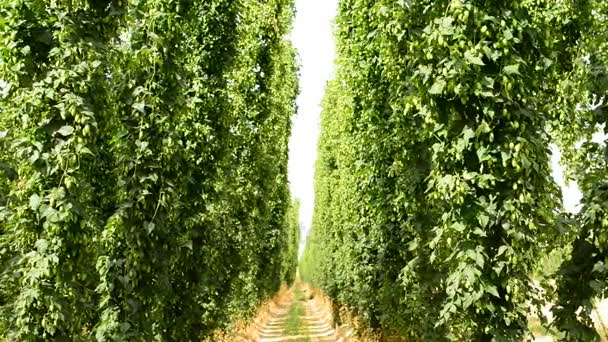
point(299, 320)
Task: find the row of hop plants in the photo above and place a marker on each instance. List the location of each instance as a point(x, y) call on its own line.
point(143, 166)
point(434, 195)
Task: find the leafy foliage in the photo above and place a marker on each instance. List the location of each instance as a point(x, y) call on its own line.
point(434, 199)
point(146, 148)
point(291, 243)
point(583, 276)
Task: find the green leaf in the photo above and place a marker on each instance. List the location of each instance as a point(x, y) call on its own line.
point(66, 131)
point(41, 245)
point(141, 107)
point(498, 268)
point(485, 93)
point(491, 289)
point(472, 59)
point(458, 226)
point(35, 201)
point(149, 227)
point(480, 232)
point(599, 267)
point(491, 54)
point(34, 157)
point(511, 69)
point(437, 87)
point(482, 154)
point(483, 128)
point(468, 134)
point(479, 259)
point(446, 27)
point(86, 150)
point(48, 212)
point(483, 220)
point(501, 250)
point(187, 244)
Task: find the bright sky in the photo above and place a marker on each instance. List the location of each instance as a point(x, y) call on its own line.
point(570, 192)
point(312, 36)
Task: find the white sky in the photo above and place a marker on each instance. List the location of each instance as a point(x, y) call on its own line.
point(312, 36)
point(570, 192)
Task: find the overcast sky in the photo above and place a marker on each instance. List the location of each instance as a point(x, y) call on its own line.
point(312, 36)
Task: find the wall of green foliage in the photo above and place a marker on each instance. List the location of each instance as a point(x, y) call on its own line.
point(434, 196)
point(582, 278)
point(149, 144)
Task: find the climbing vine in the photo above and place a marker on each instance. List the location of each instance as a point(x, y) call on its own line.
point(434, 193)
point(146, 148)
point(580, 132)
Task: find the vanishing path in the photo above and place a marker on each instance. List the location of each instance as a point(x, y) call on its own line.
point(299, 320)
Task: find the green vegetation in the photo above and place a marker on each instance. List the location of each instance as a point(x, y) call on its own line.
point(291, 244)
point(143, 167)
point(143, 163)
point(294, 325)
point(434, 197)
point(583, 276)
